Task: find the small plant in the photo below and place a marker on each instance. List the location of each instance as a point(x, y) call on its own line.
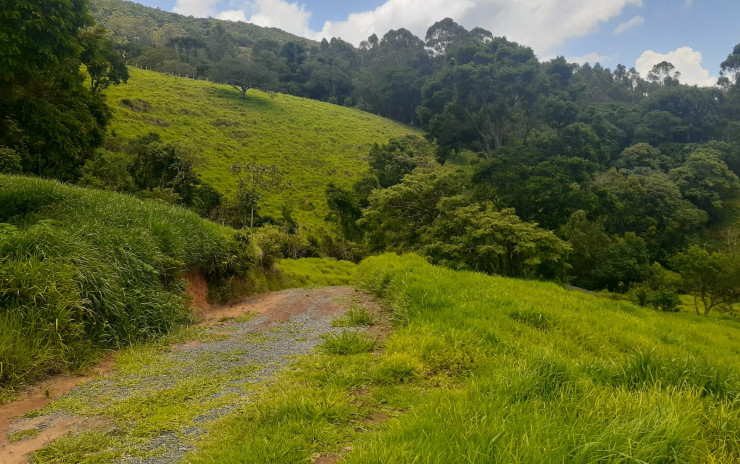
point(22, 435)
point(349, 342)
point(246, 317)
point(356, 317)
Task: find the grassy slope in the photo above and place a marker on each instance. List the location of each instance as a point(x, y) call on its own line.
point(83, 269)
point(313, 143)
point(108, 13)
point(485, 369)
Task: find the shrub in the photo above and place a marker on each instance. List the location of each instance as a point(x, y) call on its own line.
point(85, 269)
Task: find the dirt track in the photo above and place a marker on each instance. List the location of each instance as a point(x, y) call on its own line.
point(295, 321)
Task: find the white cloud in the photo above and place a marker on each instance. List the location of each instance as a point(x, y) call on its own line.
point(542, 25)
point(232, 15)
point(536, 23)
point(290, 17)
point(686, 60)
point(591, 58)
point(197, 8)
point(634, 22)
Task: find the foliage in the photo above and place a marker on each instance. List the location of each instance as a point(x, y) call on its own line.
point(83, 270)
point(10, 161)
point(477, 237)
point(397, 216)
point(712, 277)
point(103, 62)
point(254, 181)
point(46, 115)
point(243, 76)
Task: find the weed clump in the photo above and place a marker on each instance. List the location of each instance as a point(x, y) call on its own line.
point(349, 342)
point(356, 317)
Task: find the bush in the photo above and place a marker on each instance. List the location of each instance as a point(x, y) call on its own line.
point(85, 269)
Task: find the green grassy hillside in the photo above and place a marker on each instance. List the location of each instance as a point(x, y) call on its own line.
point(483, 369)
point(313, 143)
point(85, 269)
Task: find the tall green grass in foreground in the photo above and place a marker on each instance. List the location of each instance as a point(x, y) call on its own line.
point(83, 269)
point(482, 369)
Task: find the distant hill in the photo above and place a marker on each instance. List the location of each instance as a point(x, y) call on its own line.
point(313, 143)
point(143, 24)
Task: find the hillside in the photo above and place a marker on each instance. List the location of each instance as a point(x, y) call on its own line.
point(125, 18)
point(484, 369)
point(313, 143)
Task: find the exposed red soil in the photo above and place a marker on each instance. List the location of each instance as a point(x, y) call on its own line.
point(16, 453)
point(36, 397)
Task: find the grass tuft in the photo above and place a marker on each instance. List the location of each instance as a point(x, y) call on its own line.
point(349, 342)
point(356, 317)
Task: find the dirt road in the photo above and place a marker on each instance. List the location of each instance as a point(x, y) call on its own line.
point(157, 401)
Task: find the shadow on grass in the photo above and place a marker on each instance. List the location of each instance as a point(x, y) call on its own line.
point(253, 98)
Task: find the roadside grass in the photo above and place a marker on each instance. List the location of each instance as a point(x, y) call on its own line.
point(484, 369)
point(317, 272)
point(358, 316)
point(287, 273)
point(313, 143)
point(84, 270)
point(348, 342)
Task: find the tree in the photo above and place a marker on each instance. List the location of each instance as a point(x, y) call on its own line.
point(104, 63)
point(391, 161)
point(397, 216)
point(713, 278)
point(661, 74)
point(484, 98)
point(254, 181)
point(705, 180)
point(730, 68)
point(10, 161)
point(243, 75)
point(444, 34)
point(495, 242)
point(46, 114)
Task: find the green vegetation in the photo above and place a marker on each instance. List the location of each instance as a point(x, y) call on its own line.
point(22, 435)
point(286, 273)
point(356, 317)
point(478, 362)
point(348, 342)
point(311, 143)
point(82, 270)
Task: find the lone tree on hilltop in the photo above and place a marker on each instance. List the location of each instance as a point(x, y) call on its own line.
point(243, 75)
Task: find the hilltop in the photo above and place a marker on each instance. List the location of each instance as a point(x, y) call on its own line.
point(145, 23)
point(313, 143)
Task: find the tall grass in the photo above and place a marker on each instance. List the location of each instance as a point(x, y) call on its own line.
point(82, 270)
point(552, 375)
point(483, 369)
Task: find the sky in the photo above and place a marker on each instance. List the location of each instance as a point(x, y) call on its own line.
point(694, 35)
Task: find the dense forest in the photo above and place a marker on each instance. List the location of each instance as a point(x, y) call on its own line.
point(540, 169)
